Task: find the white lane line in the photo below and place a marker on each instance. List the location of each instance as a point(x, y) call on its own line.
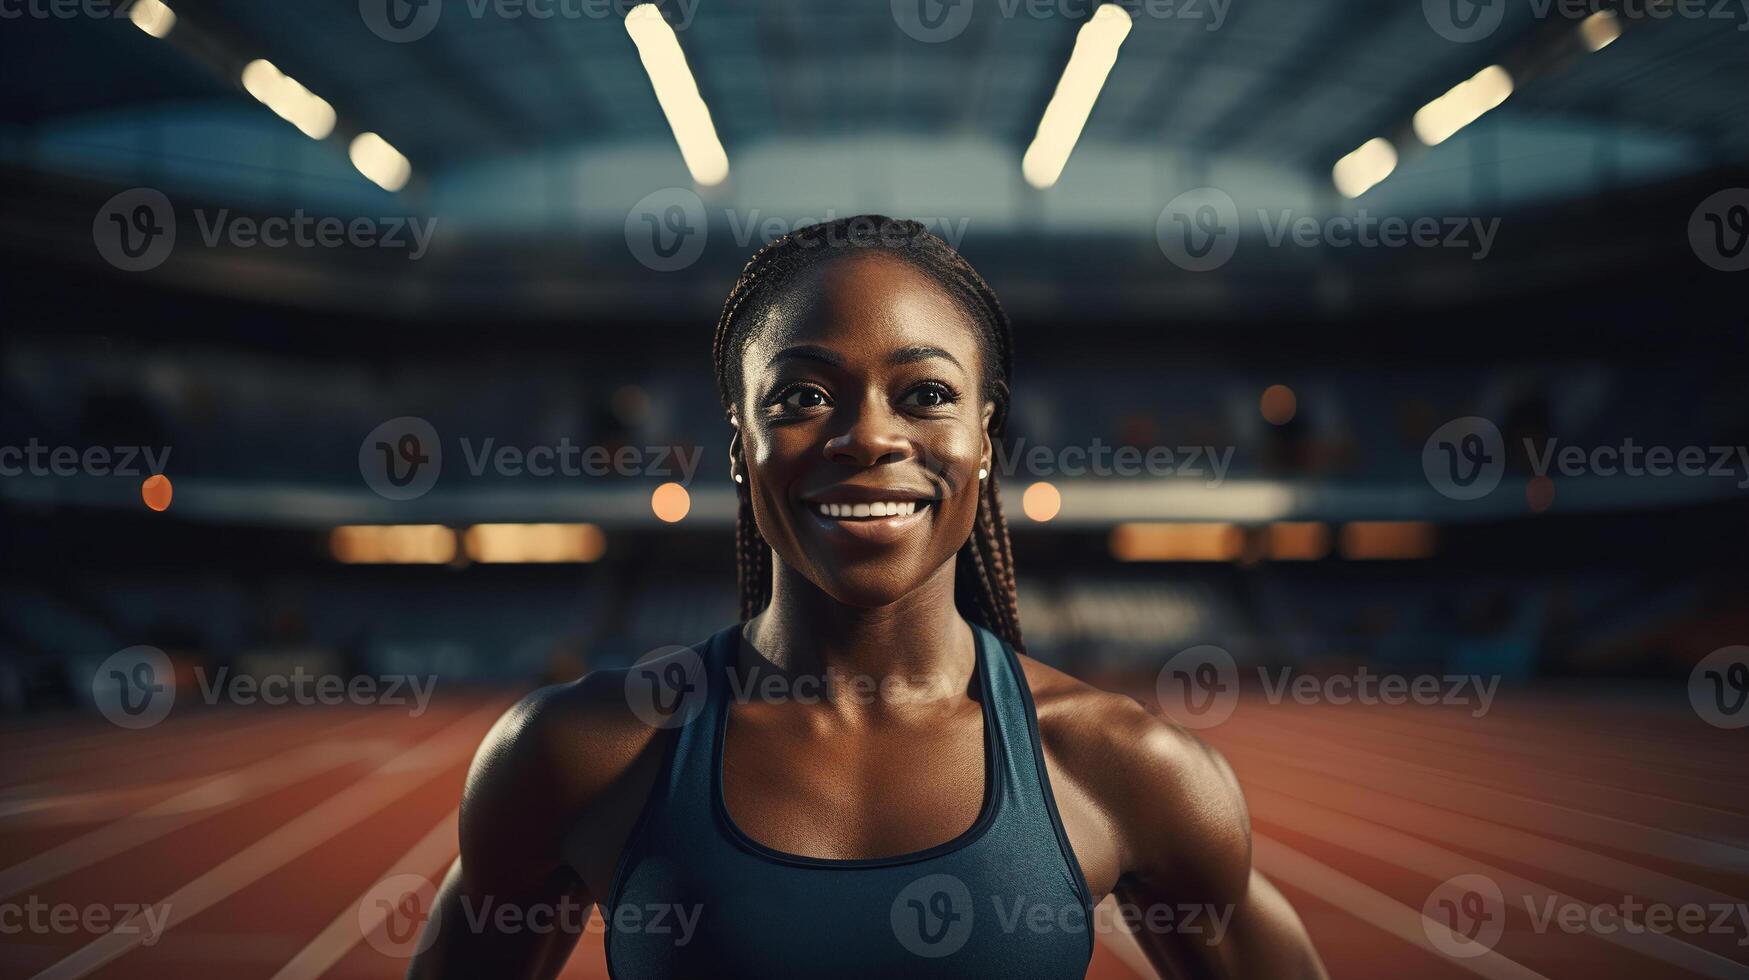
point(435, 849)
point(1393, 847)
point(90, 806)
point(1533, 850)
point(76, 759)
point(1530, 813)
point(310, 829)
point(213, 796)
point(1630, 786)
point(1281, 863)
point(1621, 778)
point(1557, 747)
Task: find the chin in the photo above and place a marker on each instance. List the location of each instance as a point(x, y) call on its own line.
point(869, 588)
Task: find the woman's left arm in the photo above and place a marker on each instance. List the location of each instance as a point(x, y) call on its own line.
point(1188, 890)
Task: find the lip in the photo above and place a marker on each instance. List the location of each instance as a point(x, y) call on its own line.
point(852, 493)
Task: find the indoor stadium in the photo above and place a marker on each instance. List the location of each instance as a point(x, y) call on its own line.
point(1351, 526)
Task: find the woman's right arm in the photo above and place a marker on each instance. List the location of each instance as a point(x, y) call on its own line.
point(512, 905)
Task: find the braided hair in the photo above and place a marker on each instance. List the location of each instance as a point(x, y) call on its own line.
point(984, 589)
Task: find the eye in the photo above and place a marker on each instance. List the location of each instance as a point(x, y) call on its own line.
point(804, 397)
point(931, 394)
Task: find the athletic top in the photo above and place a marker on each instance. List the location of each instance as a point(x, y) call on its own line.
point(694, 897)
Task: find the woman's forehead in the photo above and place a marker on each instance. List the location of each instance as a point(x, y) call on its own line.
point(863, 305)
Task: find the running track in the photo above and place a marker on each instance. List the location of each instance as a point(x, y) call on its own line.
point(257, 832)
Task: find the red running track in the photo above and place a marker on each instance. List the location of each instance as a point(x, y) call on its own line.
point(253, 836)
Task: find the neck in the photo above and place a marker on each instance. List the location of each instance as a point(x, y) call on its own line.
point(807, 632)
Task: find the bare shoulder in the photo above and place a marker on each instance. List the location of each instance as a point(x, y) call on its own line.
point(578, 737)
point(1173, 799)
point(563, 754)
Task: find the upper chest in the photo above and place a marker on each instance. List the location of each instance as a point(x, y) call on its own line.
point(807, 789)
point(801, 784)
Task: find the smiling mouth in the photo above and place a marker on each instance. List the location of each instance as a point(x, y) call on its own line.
point(872, 511)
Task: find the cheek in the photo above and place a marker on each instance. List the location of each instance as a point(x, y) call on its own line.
point(773, 458)
point(957, 458)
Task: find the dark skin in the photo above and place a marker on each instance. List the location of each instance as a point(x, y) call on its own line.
point(864, 377)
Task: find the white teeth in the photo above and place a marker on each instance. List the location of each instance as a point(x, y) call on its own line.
point(880, 508)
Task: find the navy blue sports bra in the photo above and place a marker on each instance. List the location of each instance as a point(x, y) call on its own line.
point(694, 897)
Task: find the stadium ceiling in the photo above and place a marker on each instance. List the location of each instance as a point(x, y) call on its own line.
point(1287, 81)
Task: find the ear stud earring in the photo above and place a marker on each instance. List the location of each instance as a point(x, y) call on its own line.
point(983, 473)
point(737, 478)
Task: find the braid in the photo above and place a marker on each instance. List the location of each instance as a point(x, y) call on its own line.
point(752, 560)
point(984, 583)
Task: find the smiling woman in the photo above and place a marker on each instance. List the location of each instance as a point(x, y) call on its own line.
point(865, 777)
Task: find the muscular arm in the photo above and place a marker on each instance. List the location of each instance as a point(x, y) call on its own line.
point(1245, 928)
point(512, 905)
point(1164, 827)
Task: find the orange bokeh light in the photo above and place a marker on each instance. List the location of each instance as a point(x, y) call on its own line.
point(1041, 502)
point(671, 502)
point(1278, 404)
point(156, 492)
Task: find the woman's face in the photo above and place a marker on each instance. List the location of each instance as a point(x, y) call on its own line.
point(863, 427)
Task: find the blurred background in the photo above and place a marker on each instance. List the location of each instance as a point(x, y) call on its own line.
point(371, 340)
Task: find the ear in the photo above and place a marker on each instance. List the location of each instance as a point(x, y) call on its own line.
point(988, 450)
point(735, 448)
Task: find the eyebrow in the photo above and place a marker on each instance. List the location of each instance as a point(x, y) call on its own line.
point(904, 355)
point(911, 355)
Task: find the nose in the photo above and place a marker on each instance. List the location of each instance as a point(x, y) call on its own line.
point(871, 439)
